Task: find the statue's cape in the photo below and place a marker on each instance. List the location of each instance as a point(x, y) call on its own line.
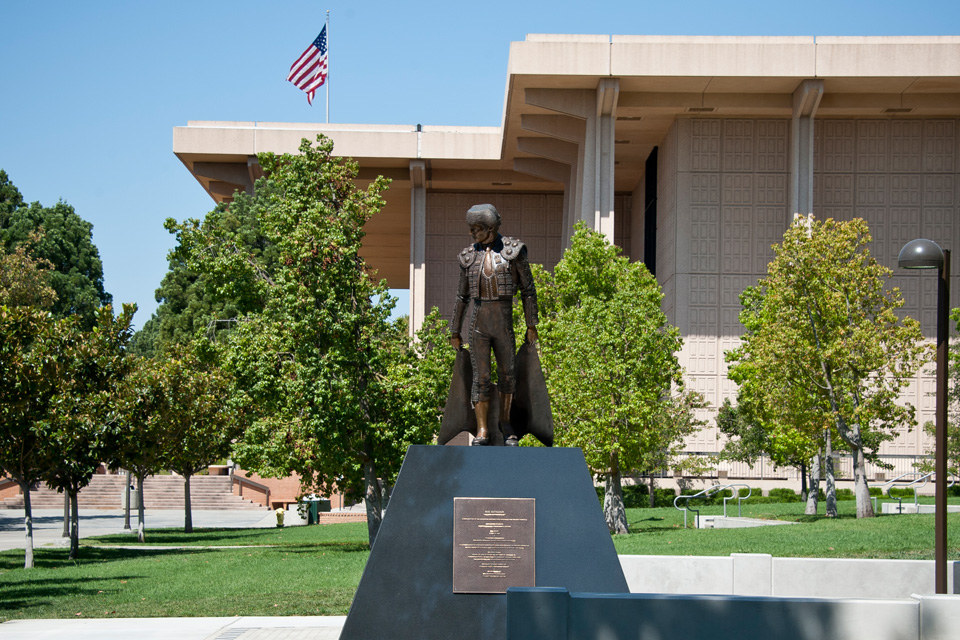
point(530, 412)
point(458, 413)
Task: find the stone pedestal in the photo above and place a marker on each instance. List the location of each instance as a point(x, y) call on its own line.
point(407, 587)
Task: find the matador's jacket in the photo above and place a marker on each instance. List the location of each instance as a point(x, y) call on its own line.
point(490, 276)
point(511, 273)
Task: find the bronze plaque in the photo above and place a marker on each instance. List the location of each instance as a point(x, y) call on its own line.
point(494, 544)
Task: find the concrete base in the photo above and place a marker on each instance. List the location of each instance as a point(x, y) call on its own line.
point(909, 507)
point(724, 522)
point(758, 574)
point(555, 614)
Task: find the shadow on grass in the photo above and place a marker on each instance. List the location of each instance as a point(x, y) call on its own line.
point(57, 558)
point(345, 547)
point(178, 537)
point(44, 591)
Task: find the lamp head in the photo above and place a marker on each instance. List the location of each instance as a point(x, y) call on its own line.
point(920, 254)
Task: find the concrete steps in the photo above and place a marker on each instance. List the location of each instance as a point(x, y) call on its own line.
point(160, 492)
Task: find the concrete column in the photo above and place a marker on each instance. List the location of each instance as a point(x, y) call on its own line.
point(806, 99)
point(418, 242)
point(593, 187)
point(608, 90)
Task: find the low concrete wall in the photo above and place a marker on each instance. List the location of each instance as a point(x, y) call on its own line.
point(554, 614)
point(911, 508)
point(764, 575)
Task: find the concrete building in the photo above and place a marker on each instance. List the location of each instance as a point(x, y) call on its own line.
point(691, 153)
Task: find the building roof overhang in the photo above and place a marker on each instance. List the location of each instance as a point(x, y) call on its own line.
point(658, 79)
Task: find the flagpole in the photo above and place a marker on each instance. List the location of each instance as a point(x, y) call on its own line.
point(328, 66)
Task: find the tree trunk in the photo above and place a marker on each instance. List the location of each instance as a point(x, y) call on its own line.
point(373, 497)
point(813, 497)
point(66, 515)
point(831, 479)
point(187, 513)
point(613, 511)
point(74, 526)
point(861, 489)
point(28, 526)
point(653, 492)
point(126, 506)
point(803, 481)
point(140, 523)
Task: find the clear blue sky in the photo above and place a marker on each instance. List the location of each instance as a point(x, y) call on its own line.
point(92, 90)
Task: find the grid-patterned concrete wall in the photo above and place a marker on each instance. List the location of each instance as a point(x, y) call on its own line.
point(730, 207)
point(537, 219)
point(723, 203)
point(903, 178)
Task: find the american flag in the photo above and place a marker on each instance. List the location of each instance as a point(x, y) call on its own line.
point(309, 72)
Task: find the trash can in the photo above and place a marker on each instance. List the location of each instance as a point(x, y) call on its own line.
point(312, 507)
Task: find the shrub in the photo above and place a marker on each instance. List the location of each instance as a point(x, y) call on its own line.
point(783, 494)
point(638, 496)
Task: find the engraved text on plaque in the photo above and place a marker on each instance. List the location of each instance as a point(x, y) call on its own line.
point(493, 544)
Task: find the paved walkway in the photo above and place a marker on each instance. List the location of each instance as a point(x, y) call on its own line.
point(48, 530)
point(238, 628)
point(48, 523)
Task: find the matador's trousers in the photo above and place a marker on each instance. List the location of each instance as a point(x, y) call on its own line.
point(491, 329)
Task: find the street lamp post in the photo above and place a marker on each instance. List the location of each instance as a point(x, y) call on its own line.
point(927, 254)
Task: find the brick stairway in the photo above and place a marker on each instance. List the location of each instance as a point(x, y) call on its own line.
point(160, 492)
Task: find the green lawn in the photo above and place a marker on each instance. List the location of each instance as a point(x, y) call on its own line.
point(308, 571)
point(315, 570)
point(661, 532)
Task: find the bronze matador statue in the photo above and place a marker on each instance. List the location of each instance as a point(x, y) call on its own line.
point(492, 270)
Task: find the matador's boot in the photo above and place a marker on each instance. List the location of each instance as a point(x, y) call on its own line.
point(483, 437)
point(506, 402)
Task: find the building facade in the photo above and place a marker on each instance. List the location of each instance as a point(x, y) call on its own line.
point(691, 153)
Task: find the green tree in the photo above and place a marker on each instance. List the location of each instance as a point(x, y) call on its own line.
point(611, 393)
point(825, 346)
point(312, 353)
point(61, 237)
point(140, 443)
point(197, 409)
point(784, 415)
point(747, 441)
point(953, 410)
point(28, 374)
point(24, 281)
point(28, 368)
point(82, 417)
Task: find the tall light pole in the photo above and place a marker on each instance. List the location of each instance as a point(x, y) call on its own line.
point(927, 254)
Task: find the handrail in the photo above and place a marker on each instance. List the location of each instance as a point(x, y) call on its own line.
point(240, 480)
point(923, 480)
point(706, 493)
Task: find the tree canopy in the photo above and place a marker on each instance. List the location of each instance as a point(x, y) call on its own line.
point(619, 394)
point(60, 237)
point(311, 345)
point(824, 350)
